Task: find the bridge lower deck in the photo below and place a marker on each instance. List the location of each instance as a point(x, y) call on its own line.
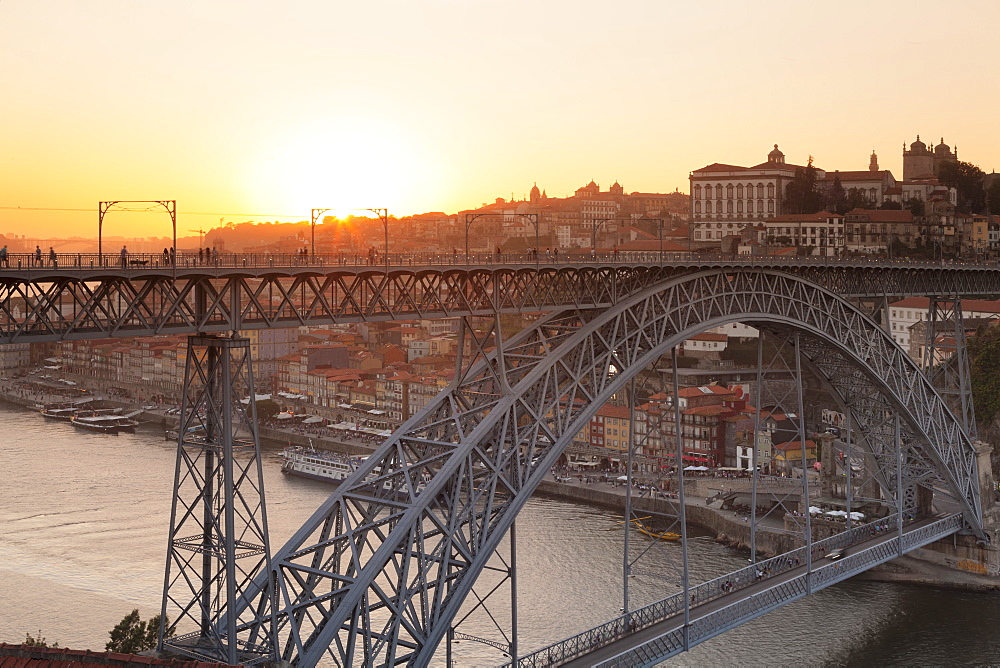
point(670, 636)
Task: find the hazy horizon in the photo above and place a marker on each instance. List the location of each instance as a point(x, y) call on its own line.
point(442, 105)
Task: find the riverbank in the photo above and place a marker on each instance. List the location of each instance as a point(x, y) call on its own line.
point(959, 567)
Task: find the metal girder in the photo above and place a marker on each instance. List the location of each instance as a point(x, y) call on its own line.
point(52, 304)
point(381, 568)
point(218, 523)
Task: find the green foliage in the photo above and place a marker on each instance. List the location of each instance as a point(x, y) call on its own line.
point(984, 363)
point(802, 194)
point(967, 179)
point(993, 198)
point(836, 197)
point(916, 206)
point(267, 408)
point(890, 204)
point(132, 635)
point(37, 641)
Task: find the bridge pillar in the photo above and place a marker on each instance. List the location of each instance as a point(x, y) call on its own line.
point(218, 538)
point(987, 484)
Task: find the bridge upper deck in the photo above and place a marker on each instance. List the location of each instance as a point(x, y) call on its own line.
point(99, 297)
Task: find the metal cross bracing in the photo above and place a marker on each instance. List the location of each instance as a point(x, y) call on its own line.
point(58, 303)
point(218, 542)
point(381, 569)
point(648, 635)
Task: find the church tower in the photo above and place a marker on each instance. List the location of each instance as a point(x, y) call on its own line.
point(535, 194)
point(873, 163)
point(918, 162)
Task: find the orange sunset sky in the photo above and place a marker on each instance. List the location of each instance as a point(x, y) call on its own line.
point(275, 108)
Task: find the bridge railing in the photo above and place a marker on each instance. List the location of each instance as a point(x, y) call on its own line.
point(709, 590)
point(227, 260)
point(715, 622)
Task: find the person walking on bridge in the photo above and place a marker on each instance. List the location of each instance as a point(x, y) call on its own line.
point(3, 256)
point(53, 260)
point(124, 257)
point(38, 255)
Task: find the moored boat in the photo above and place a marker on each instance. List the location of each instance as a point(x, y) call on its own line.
point(327, 466)
point(107, 424)
point(317, 464)
point(59, 411)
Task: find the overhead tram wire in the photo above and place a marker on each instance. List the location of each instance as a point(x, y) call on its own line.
point(187, 213)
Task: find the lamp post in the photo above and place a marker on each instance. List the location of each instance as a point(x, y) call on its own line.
point(383, 215)
point(593, 233)
point(472, 217)
point(169, 205)
point(316, 213)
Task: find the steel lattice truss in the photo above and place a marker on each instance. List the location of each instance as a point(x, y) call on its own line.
point(47, 304)
point(379, 571)
point(218, 524)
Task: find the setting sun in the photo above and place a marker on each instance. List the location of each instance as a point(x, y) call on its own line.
point(344, 165)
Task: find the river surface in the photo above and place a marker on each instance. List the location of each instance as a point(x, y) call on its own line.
point(83, 522)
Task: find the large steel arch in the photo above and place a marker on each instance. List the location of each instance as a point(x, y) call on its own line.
point(379, 571)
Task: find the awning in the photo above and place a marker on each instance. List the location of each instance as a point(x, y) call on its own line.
point(284, 416)
point(312, 420)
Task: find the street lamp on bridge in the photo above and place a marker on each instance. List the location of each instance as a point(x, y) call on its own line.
point(383, 215)
point(168, 205)
point(316, 213)
point(472, 217)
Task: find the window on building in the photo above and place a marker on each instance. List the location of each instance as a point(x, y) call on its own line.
point(697, 207)
point(718, 191)
point(739, 191)
point(770, 190)
point(760, 190)
point(729, 206)
point(770, 206)
point(739, 206)
point(729, 191)
point(760, 206)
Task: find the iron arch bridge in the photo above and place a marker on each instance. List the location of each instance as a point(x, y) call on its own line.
point(379, 572)
point(97, 297)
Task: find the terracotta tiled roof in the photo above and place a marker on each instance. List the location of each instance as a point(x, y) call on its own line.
point(860, 175)
point(720, 167)
point(16, 656)
point(884, 215)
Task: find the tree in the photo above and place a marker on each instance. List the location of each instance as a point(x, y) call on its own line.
point(37, 641)
point(267, 408)
point(836, 197)
point(916, 206)
point(993, 197)
point(890, 204)
point(132, 635)
point(802, 194)
point(967, 179)
point(857, 198)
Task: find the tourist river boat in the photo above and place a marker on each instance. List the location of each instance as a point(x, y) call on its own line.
point(317, 464)
point(107, 424)
point(329, 467)
point(60, 411)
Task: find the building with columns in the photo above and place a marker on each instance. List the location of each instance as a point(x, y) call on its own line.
point(726, 198)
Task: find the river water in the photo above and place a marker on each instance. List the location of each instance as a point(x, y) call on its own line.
point(83, 521)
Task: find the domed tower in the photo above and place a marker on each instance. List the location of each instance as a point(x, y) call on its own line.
point(942, 153)
point(616, 189)
point(776, 156)
point(535, 195)
point(918, 162)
